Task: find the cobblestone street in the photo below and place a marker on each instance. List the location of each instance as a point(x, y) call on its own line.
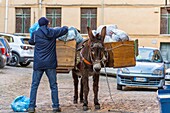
point(16, 81)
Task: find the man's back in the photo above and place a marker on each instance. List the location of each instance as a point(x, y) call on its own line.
point(45, 46)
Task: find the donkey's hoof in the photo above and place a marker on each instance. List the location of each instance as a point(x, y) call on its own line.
point(85, 108)
point(97, 106)
point(75, 102)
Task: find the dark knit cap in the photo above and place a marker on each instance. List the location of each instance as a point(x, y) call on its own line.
point(43, 21)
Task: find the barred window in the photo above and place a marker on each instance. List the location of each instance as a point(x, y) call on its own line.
point(22, 20)
point(88, 18)
point(165, 21)
point(54, 16)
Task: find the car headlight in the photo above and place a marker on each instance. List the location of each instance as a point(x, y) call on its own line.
point(158, 72)
point(125, 70)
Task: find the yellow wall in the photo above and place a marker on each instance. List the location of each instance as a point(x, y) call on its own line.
point(2, 15)
point(132, 16)
point(140, 19)
point(133, 20)
point(71, 16)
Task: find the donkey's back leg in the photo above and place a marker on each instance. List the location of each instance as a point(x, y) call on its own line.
point(76, 81)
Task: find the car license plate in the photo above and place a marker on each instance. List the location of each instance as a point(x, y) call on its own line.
point(139, 79)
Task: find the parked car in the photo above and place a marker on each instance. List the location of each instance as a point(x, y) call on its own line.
point(8, 52)
point(148, 72)
point(167, 74)
point(2, 56)
point(22, 51)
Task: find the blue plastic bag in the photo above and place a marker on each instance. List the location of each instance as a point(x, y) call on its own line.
point(20, 104)
point(33, 28)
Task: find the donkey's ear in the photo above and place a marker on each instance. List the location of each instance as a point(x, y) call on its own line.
point(103, 32)
point(90, 33)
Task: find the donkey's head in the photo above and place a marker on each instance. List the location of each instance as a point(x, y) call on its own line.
point(96, 48)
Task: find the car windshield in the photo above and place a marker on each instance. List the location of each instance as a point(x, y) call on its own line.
point(149, 55)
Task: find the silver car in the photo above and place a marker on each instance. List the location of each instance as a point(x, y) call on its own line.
point(148, 72)
point(2, 55)
point(8, 52)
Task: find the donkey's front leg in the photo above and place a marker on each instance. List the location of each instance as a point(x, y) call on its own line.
point(85, 81)
point(95, 90)
point(75, 80)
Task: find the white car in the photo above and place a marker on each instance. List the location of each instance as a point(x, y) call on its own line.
point(22, 51)
point(167, 74)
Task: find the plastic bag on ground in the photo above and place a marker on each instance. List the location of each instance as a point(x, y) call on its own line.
point(20, 104)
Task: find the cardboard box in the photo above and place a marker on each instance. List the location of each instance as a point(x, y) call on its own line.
point(66, 54)
point(121, 54)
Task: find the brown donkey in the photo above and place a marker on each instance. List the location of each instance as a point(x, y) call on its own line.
point(91, 58)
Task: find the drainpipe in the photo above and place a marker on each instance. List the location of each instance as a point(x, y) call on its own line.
point(102, 12)
point(166, 3)
point(6, 17)
point(40, 8)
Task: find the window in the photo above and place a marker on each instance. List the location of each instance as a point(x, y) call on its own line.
point(54, 16)
point(25, 40)
point(22, 20)
point(165, 21)
point(9, 38)
point(88, 18)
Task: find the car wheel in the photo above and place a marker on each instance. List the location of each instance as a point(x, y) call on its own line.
point(119, 87)
point(24, 64)
point(15, 60)
point(2, 66)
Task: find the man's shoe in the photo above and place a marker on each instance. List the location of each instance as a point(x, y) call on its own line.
point(55, 110)
point(31, 110)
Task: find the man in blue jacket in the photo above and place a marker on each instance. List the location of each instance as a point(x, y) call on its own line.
point(45, 60)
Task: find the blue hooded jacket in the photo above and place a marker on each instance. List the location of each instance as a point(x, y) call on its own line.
point(44, 40)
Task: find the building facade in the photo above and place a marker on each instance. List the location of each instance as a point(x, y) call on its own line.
point(146, 20)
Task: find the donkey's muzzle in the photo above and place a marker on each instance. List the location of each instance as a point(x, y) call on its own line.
point(97, 67)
